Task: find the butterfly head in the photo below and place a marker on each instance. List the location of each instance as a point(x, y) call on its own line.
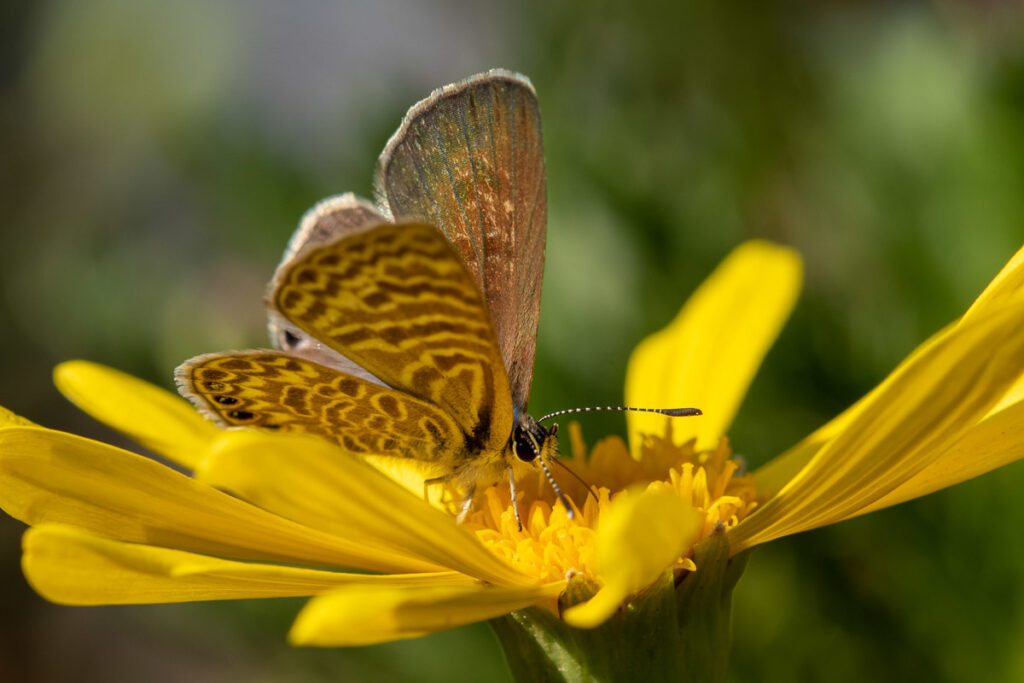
point(530, 440)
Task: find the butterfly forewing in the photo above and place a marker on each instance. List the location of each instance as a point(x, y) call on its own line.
point(470, 160)
point(397, 300)
point(273, 390)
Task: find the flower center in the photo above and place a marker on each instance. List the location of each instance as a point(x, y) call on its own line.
point(551, 546)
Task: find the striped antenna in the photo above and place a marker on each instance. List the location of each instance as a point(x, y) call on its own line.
point(570, 513)
point(671, 412)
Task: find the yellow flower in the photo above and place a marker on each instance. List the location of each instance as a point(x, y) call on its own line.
point(268, 515)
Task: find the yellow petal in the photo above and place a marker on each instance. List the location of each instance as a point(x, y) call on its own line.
point(707, 357)
point(9, 419)
point(987, 446)
point(50, 476)
point(947, 387)
point(317, 484)
point(159, 420)
point(1014, 395)
point(1006, 288)
point(637, 539)
point(777, 472)
point(365, 616)
point(72, 567)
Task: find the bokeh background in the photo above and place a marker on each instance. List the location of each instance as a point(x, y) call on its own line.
point(155, 157)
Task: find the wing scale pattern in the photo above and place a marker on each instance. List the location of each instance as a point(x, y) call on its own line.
point(469, 159)
point(397, 300)
point(273, 390)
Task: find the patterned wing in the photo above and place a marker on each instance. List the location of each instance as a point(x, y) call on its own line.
point(397, 300)
point(329, 220)
point(272, 390)
point(470, 160)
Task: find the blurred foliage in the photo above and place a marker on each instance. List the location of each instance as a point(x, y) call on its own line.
point(157, 155)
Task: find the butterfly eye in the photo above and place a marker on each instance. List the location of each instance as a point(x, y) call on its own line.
point(242, 415)
point(226, 400)
point(524, 446)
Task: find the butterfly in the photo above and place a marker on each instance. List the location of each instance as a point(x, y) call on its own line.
point(408, 327)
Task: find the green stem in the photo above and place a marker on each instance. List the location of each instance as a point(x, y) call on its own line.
point(667, 633)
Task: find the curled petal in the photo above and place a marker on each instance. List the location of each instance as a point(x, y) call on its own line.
point(639, 537)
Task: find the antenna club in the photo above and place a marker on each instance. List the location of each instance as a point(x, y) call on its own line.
point(681, 412)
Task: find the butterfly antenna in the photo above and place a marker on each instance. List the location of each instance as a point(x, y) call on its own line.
point(590, 487)
point(670, 412)
point(558, 492)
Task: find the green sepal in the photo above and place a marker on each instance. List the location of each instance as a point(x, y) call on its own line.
point(667, 633)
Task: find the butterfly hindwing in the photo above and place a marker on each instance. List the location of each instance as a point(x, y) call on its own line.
point(328, 221)
point(397, 300)
point(469, 159)
point(272, 390)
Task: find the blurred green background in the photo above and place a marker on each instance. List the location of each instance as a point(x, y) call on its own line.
point(156, 156)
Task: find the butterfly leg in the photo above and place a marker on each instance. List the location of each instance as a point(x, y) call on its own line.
point(427, 483)
point(435, 481)
point(467, 505)
point(515, 498)
point(467, 502)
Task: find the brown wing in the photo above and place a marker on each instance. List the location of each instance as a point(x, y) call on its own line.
point(272, 390)
point(470, 160)
point(329, 220)
point(397, 300)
